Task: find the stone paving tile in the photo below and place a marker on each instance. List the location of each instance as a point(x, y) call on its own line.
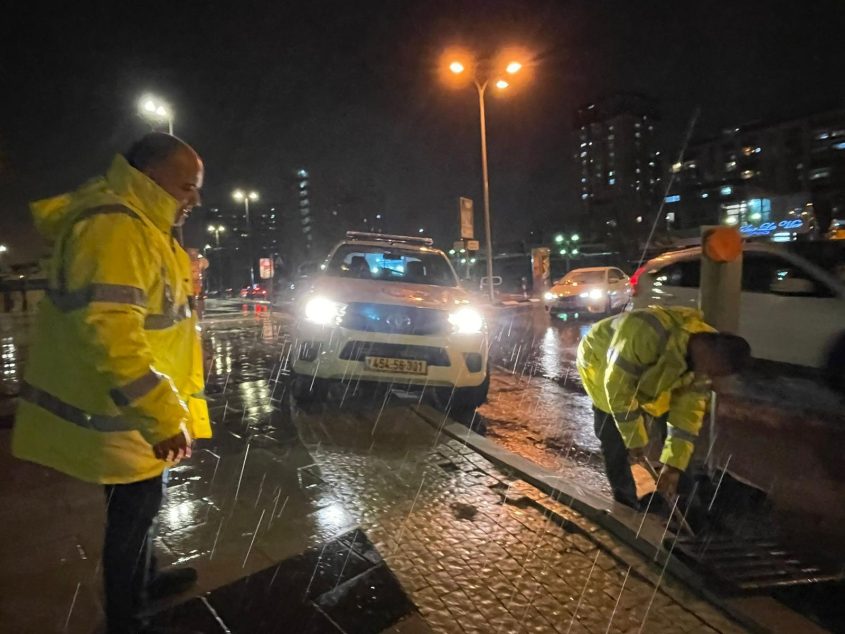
point(515, 568)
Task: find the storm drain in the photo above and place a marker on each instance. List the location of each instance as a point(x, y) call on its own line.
point(754, 564)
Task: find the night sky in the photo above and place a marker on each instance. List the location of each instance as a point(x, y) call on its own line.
point(350, 92)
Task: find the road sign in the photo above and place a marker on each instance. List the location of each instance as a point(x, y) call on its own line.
point(265, 267)
point(467, 219)
point(473, 245)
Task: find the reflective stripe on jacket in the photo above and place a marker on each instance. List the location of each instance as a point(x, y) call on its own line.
point(115, 365)
point(636, 362)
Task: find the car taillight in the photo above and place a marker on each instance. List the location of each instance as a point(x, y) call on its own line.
point(635, 279)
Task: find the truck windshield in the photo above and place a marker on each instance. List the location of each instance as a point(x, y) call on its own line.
point(393, 264)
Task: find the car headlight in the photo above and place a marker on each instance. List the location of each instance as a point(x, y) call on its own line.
point(596, 293)
point(323, 311)
point(466, 321)
point(549, 296)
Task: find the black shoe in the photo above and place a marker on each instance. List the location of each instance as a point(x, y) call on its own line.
point(168, 583)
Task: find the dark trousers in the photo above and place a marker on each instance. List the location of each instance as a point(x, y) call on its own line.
point(616, 462)
point(131, 510)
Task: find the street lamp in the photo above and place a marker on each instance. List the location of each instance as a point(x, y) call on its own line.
point(568, 246)
point(244, 197)
point(216, 230)
point(483, 73)
point(155, 110)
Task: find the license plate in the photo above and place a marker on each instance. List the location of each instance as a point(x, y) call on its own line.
point(400, 366)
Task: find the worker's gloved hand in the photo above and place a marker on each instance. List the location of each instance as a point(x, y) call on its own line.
point(175, 448)
point(637, 455)
point(667, 483)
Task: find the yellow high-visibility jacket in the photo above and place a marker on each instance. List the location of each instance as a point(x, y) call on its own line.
point(636, 362)
point(116, 363)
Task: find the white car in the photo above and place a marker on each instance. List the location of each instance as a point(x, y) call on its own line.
point(601, 289)
point(791, 310)
point(390, 309)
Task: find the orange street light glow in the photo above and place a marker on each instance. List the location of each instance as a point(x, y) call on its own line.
point(456, 67)
point(513, 67)
point(502, 84)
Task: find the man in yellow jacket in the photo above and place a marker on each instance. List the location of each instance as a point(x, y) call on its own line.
point(653, 361)
point(113, 387)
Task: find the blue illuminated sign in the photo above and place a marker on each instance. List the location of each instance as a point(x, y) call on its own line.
point(768, 228)
point(673, 199)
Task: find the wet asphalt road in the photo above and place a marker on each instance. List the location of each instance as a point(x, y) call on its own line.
point(537, 407)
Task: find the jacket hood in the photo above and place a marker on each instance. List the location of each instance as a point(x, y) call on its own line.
point(689, 319)
point(122, 184)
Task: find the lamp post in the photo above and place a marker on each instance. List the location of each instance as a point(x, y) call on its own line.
point(216, 230)
point(244, 197)
point(156, 110)
point(482, 76)
point(567, 246)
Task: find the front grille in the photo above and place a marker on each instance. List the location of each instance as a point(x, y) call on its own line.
point(567, 302)
point(358, 350)
point(402, 320)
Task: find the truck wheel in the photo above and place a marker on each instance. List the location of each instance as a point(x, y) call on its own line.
point(462, 402)
point(307, 389)
point(834, 368)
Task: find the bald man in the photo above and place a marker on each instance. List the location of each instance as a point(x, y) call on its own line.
point(113, 388)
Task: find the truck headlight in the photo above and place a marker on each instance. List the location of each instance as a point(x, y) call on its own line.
point(324, 312)
point(466, 321)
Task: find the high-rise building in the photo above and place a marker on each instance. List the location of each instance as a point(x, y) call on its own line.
point(306, 219)
point(619, 167)
point(765, 172)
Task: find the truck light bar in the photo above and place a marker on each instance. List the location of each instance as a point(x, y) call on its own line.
point(384, 237)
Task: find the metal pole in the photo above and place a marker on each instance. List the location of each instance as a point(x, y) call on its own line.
point(487, 230)
point(170, 125)
point(249, 241)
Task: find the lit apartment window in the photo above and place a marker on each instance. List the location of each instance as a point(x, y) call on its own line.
point(584, 196)
point(611, 181)
point(730, 166)
point(676, 167)
point(816, 174)
point(583, 154)
point(748, 174)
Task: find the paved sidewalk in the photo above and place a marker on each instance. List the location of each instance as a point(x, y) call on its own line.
point(473, 549)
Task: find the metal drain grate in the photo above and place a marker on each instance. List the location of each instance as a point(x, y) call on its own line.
point(753, 565)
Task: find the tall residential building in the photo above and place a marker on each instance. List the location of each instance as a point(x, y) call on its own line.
point(619, 167)
point(306, 219)
point(762, 173)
